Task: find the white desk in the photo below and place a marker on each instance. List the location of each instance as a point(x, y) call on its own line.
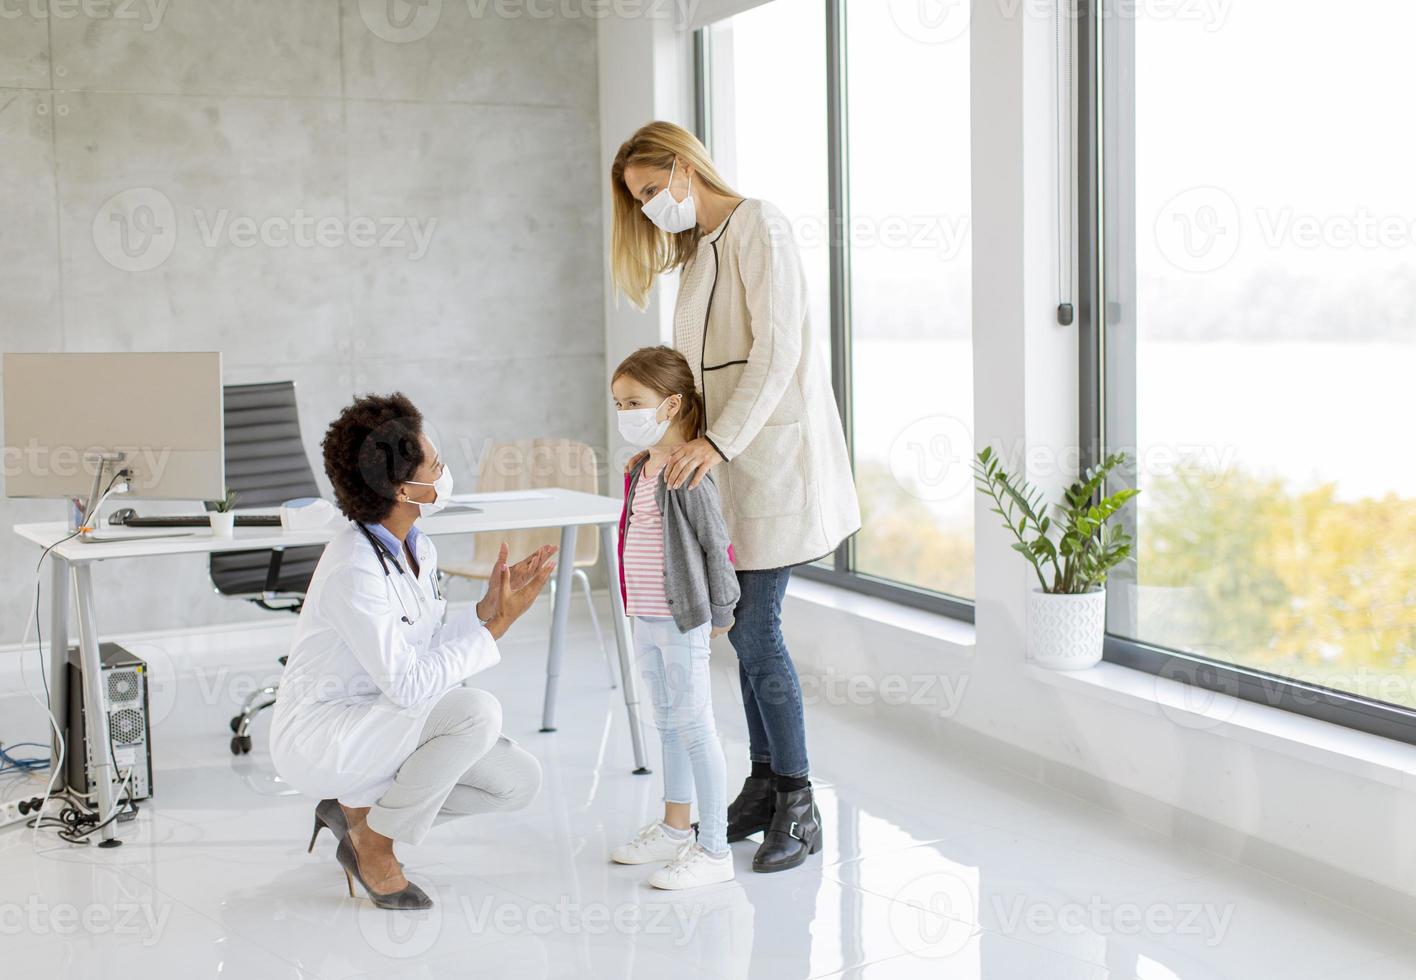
point(73, 560)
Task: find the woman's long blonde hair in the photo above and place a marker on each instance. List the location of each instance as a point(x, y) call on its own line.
point(639, 249)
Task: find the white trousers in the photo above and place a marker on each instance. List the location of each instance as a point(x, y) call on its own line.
point(463, 765)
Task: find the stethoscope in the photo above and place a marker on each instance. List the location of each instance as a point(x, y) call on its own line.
point(386, 556)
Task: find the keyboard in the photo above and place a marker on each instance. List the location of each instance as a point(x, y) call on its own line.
point(127, 517)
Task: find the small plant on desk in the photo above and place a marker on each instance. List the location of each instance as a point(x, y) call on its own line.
point(223, 516)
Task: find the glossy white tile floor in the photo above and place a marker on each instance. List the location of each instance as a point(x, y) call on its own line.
point(931, 868)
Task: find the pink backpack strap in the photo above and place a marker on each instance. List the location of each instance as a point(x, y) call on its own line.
point(624, 523)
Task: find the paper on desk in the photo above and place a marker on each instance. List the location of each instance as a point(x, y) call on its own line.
point(496, 496)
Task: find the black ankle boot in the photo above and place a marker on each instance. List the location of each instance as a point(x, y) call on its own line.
point(752, 810)
point(795, 832)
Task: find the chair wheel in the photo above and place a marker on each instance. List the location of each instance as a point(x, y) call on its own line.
point(240, 745)
point(236, 746)
point(236, 724)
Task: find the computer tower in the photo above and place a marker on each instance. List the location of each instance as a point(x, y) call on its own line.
point(125, 698)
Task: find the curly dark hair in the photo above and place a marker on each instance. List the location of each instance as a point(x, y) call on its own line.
point(369, 450)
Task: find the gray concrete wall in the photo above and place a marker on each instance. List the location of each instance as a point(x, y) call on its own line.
point(248, 149)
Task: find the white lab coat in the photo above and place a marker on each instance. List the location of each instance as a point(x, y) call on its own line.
point(359, 682)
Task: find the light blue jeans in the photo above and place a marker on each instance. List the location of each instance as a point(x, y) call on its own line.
point(674, 665)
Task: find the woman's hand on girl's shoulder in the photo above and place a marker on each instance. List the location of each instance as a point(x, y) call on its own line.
point(690, 462)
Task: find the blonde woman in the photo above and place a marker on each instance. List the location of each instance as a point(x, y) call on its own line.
point(772, 437)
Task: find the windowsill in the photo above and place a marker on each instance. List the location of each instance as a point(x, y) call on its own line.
point(1297, 736)
point(956, 635)
point(1273, 729)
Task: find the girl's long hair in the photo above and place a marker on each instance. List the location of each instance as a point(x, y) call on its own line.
point(666, 371)
point(639, 249)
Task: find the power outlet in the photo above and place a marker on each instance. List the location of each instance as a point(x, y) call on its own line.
point(10, 811)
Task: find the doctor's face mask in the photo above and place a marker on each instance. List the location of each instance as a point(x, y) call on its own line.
point(442, 489)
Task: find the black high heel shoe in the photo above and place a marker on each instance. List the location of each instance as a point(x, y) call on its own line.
point(410, 897)
point(328, 813)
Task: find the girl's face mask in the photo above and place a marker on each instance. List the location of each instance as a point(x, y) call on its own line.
point(641, 427)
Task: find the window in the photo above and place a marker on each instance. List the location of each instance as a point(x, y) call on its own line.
point(1258, 269)
point(801, 104)
point(911, 350)
point(774, 147)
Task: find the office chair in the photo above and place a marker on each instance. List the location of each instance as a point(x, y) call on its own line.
point(525, 465)
point(266, 465)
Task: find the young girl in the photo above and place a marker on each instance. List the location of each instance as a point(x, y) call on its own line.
point(678, 582)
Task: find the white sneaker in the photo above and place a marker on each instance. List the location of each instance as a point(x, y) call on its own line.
point(693, 868)
point(649, 846)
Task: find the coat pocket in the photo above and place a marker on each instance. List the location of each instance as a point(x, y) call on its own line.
point(768, 477)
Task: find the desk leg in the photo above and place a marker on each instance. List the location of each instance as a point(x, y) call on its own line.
point(609, 545)
point(95, 717)
point(560, 613)
point(58, 663)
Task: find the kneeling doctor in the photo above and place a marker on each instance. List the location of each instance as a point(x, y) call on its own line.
point(372, 716)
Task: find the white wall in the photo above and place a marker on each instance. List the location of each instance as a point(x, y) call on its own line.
point(480, 127)
point(1311, 819)
point(646, 73)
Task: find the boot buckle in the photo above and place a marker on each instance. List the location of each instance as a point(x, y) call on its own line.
point(792, 831)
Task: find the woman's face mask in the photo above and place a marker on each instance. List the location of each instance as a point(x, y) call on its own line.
point(442, 493)
point(671, 215)
point(641, 427)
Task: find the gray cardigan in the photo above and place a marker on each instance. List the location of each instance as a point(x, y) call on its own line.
point(700, 583)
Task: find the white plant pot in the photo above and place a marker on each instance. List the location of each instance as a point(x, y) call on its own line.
point(222, 525)
point(1065, 632)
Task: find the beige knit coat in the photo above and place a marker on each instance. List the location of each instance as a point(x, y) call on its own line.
point(741, 320)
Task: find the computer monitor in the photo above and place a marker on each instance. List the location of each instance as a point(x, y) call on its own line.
point(161, 411)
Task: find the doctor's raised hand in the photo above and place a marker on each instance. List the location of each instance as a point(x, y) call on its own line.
point(511, 590)
point(374, 715)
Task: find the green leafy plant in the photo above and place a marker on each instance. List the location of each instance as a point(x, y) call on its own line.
point(1074, 552)
point(225, 504)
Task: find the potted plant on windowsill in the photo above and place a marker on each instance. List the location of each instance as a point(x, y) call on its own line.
point(222, 515)
point(1071, 552)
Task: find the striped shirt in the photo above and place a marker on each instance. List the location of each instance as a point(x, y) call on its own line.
point(644, 552)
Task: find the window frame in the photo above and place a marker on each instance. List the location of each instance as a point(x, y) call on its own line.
point(1093, 308)
point(841, 571)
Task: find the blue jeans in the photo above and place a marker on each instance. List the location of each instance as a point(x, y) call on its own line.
point(771, 693)
point(675, 667)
